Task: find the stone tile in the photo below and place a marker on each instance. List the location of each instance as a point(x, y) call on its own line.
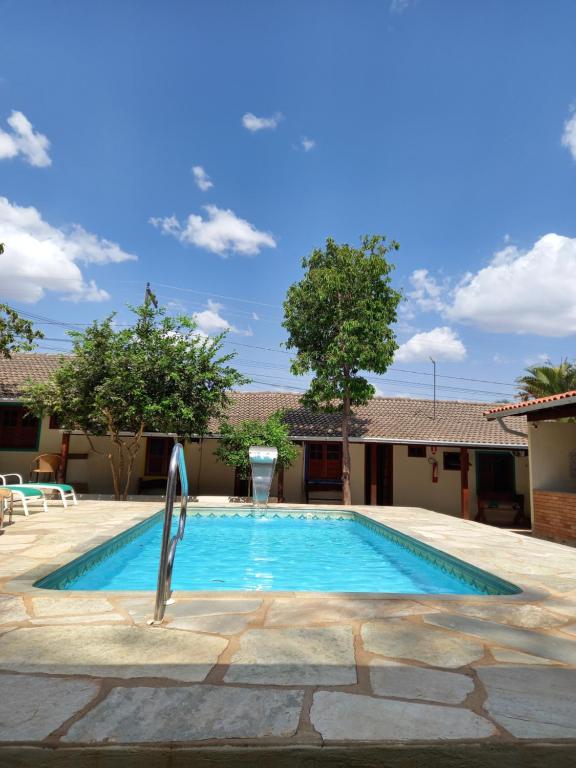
point(12, 610)
point(16, 565)
point(526, 640)
point(322, 656)
point(508, 656)
point(16, 538)
point(191, 713)
point(66, 605)
point(48, 551)
point(533, 703)
point(226, 624)
point(32, 707)
point(298, 612)
point(350, 717)
point(142, 608)
point(113, 651)
point(96, 618)
point(405, 682)
point(530, 616)
point(401, 639)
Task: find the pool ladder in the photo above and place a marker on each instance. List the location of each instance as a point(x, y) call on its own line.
point(176, 470)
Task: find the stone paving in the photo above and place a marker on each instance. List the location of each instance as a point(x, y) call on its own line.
point(286, 670)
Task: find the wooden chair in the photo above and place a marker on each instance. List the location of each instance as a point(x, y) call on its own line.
point(6, 503)
point(45, 464)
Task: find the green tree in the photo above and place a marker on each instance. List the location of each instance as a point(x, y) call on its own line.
point(157, 375)
point(547, 379)
point(236, 439)
point(339, 320)
point(16, 334)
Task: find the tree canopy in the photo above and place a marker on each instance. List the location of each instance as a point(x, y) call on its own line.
point(16, 334)
point(236, 439)
point(547, 379)
point(158, 375)
point(339, 320)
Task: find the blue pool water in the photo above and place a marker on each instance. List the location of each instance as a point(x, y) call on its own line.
point(271, 553)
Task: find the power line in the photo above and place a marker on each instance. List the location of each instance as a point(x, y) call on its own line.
point(50, 321)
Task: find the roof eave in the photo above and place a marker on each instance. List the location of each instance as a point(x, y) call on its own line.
point(530, 408)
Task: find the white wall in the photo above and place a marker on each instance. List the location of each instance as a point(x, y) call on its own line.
point(551, 443)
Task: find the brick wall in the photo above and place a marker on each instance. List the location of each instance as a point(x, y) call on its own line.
point(555, 515)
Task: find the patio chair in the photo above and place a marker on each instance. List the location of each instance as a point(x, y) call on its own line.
point(45, 464)
point(26, 495)
point(64, 490)
point(6, 503)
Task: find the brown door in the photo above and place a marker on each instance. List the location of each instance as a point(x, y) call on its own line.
point(158, 450)
point(379, 474)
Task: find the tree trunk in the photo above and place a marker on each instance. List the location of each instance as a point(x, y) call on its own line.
point(346, 495)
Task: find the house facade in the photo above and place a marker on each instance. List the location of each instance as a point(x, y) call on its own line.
point(403, 452)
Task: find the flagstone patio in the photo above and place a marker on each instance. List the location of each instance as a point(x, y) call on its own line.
point(286, 678)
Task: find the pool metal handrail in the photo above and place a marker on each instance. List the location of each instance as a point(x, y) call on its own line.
point(177, 469)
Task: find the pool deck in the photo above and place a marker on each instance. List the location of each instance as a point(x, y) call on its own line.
point(286, 679)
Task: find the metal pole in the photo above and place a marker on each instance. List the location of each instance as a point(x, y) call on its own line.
point(434, 385)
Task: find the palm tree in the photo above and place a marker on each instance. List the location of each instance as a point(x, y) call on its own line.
point(547, 379)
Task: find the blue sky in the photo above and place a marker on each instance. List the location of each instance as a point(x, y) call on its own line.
point(448, 126)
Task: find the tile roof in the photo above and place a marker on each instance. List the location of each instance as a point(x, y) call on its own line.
point(384, 418)
point(16, 371)
point(535, 404)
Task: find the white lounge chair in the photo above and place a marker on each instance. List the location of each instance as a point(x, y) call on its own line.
point(63, 489)
point(25, 495)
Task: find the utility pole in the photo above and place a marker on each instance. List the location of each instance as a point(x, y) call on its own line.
point(434, 385)
point(150, 297)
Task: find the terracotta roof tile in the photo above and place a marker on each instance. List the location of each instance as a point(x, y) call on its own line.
point(385, 418)
point(16, 371)
point(531, 404)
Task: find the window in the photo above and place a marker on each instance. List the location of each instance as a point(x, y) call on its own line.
point(417, 451)
point(18, 429)
point(452, 460)
point(324, 461)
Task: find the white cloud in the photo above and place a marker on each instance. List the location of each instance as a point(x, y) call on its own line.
point(253, 123)
point(307, 144)
point(201, 178)
point(569, 135)
point(40, 257)
point(439, 343)
point(255, 316)
point(222, 232)
point(427, 293)
point(24, 140)
point(399, 6)
point(538, 359)
point(211, 321)
point(522, 291)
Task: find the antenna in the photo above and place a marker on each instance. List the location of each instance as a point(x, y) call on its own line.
point(434, 406)
point(149, 296)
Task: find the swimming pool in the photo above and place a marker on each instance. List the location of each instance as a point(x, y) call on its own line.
point(276, 551)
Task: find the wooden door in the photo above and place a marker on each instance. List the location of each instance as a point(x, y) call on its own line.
point(379, 474)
